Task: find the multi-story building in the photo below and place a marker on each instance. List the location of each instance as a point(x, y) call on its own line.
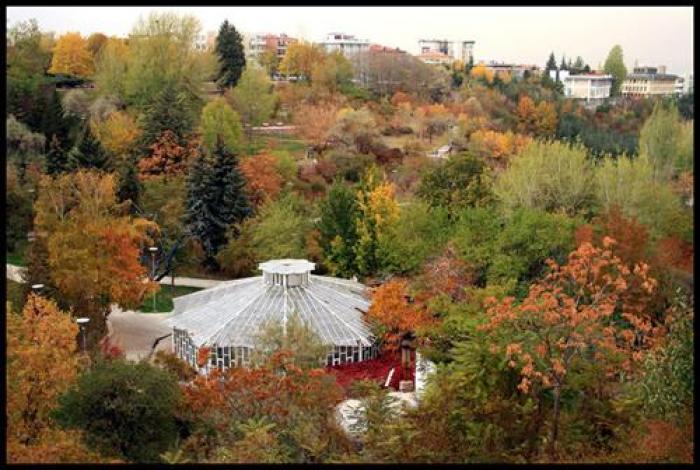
point(591, 87)
point(649, 81)
point(346, 44)
point(467, 51)
point(433, 58)
point(205, 41)
point(679, 86)
point(259, 43)
point(442, 46)
point(515, 70)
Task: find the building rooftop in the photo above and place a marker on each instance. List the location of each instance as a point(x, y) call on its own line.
point(233, 312)
point(651, 76)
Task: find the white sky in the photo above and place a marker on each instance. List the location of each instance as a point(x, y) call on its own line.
point(650, 35)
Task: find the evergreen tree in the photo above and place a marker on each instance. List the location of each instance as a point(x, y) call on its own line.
point(215, 200)
point(578, 65)
point(338, 229)
point(551, 63)
point(56, 158)
point(563, 66)
point(52, 120)
point(88, 153)
point(129, 187)
point(171, 110)
point(229, 48)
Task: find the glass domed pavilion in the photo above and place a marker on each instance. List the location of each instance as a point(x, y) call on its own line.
point(227, 317)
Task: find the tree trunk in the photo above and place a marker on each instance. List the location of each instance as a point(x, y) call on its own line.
point(555, 423)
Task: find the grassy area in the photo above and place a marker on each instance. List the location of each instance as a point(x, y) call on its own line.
point(290, 144)
point(17, 256)
point(14, 294)
point(164, 298)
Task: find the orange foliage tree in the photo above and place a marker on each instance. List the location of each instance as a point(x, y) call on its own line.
point(263, 180)
point(481, 71)
point(314, 121)
point(41, 365)
point(545, 119)
point(168, 157)
point(71, 56)
point(497, 145)
point(118, 133)
point(526, 115)
point(296, 403)
point(394, 313)
point(93, 245)
point(583, 316)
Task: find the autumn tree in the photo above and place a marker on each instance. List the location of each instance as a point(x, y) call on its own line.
point(480, 71)
point(526, 115)
point(496, 147)
point(377, 211)
point(545, 119)
point(300, 59)
point(71, 56)
point(41, 365)
point(577, 320)
point(253, 97)
point(229, 48)
point(661, 139)
point(355, 129)
point(263, 179)
point(118, 134)
point(393, 313)
point(333, 74)
point(314, 121)
point(218, 119)
point(169, 110)
point(95, 43)
point(167, 157)
point(93, 247)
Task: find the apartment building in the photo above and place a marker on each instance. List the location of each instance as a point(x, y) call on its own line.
point(515, 70)
point(346, 44)
point(443, 51)
point(649, 81)
point(256, 44)
point(591, 87)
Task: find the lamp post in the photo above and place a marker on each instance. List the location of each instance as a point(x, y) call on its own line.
point(82, 323)
point(153, 250)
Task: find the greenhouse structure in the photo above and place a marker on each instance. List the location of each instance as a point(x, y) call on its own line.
point(227, 318)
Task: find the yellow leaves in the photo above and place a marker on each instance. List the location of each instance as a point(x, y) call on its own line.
point(481, 71)
point(117, 133)
point(71, 56)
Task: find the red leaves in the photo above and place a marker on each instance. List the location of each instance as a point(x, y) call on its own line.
point(167, 156)
point(263, 180)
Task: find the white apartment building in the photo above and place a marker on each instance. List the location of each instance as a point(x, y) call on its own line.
point(590, 87)
point(649, 81)
point(346, 44)
point(443, 46)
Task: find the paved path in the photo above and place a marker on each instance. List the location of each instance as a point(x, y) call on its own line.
point(135, 332)
point(14, 273)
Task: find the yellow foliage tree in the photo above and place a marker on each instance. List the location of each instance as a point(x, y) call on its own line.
point(300, 59)
point(71, 56)
point(118, 133)
point(481, 71)
point(526, 114)
point(545, 119)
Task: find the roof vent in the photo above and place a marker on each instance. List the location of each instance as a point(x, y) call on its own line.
point(286, 272)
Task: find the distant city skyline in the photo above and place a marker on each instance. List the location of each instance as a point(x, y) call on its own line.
point(648, 35)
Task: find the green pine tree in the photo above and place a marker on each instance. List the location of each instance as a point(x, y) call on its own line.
point(56, 158)
point(129, 187)
point(88, 153)
point(338, 228)
point(216, 200)
point(229, 48)
point(551, 63)
point(171, 110)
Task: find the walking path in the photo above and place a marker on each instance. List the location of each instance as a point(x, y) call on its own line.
point(136, 332)
point(15, 273)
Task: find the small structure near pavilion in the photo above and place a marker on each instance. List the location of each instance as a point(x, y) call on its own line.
point(227, 318)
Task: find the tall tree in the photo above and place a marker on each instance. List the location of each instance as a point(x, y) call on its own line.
point(338, 229)
point(551, 63)
point(615, 66)
point(71, 56)
point(229, 48)
point(129, 187)
point(56, 158)
point(170, 111)
point(216, 200)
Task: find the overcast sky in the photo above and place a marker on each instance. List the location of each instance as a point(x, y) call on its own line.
point(649, 35)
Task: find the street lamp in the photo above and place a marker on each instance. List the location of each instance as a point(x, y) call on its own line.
point(153, 250)
point(37, 287)
point(82, 323)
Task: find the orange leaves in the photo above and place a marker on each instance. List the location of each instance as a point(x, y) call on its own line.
point(203, 356)
point(263, 180)
point(570, 310)
point(396, 313)
point(481, 71)
point(167, 156)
